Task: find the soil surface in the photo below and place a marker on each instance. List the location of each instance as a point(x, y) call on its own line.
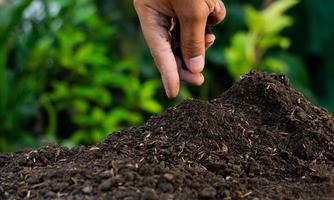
point(259, 140)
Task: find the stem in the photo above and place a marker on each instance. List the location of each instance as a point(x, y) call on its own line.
point(52, 115)
point(259, 52)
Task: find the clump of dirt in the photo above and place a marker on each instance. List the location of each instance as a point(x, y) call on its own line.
point(260, 139)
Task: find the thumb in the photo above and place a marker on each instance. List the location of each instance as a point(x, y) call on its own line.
point(192, 27)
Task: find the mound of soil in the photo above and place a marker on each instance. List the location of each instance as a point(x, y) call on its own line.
point(260, 139)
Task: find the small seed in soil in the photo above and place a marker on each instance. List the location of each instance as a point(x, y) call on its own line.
point(168, 177)
point(87, 189)
point(94, 148)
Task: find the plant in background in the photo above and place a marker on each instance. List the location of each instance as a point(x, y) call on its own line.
point(18, 101)
point(74, 71)
point(248, 48)
point(262, 46)
point(62, 81)
point(99, 91)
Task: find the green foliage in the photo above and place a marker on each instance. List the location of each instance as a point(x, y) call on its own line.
point(74, 71)
point(17, 103)
point(66, 70)
point(279, 36)
point(248, 48)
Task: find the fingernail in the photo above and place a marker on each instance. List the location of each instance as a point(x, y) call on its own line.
point(203, 79)
point(196, 64)
point(218, 7)
point(210, 45)
point(210, 38)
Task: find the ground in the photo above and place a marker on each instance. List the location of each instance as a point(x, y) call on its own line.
point(260, 139)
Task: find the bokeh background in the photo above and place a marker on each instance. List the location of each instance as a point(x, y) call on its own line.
point(73, 71)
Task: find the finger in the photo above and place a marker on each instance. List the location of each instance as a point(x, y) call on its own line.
point(218, 14)
point(193, 38)
point(194, 79)
point(155, 31)
point(185, 75)
point(209, 40)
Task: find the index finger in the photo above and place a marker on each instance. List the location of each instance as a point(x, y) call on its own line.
point(155, 28)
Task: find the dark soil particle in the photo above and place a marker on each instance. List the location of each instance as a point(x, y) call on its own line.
point(259, 140)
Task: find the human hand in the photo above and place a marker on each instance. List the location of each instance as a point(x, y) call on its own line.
point(156, 18)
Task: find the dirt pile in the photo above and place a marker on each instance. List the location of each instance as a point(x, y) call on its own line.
point(260, 139)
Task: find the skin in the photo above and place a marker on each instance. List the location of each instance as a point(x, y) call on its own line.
point(155, 19)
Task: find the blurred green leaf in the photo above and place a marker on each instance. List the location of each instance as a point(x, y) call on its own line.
point(248, 49)
point(74, 71)
point(241, 54)
point(274, 64)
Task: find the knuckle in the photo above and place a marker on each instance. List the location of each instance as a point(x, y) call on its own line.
point(196, 16)
point(158, 52)
point(211, 4)
point(192, 47)
point(194, 13)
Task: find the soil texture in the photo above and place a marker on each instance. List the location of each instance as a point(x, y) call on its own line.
point(261, 139)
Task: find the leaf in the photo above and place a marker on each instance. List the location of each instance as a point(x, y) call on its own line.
point(148, 89)
point(147, 92)
point(97, 94)
point(98, 114)
point(81, 105)
point(278, 8)
point(151, 106)
point(61, 91)
point(241, 54)
point(79, 137)
point(98, 135)
point(274, 64)
point(90, 54)
point(118, 115)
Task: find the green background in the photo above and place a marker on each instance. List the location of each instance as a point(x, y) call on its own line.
point(72, 72)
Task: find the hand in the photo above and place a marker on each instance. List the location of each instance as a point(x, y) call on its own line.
point(156, 20)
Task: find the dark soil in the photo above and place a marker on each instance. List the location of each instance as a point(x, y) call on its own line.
point(260, 139)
